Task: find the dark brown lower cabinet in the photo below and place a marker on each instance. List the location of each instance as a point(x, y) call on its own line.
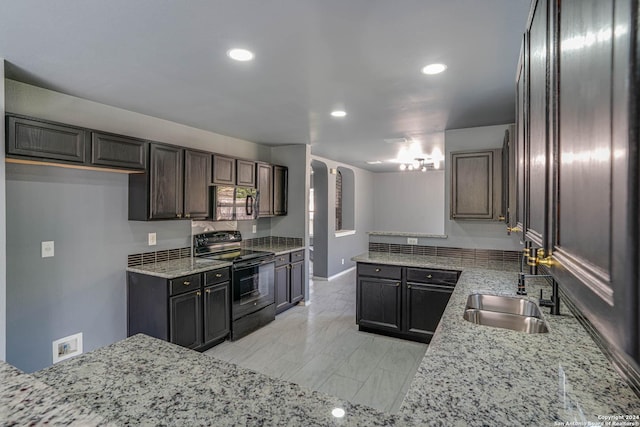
point(217, 322)
point(185, 319)
point(289, 280)
point(379, 301)
point(403, 302)
point(191, 311)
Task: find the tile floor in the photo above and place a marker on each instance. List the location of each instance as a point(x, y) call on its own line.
point(319, 346)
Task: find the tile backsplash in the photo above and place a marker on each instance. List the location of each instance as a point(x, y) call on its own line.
point(493, 258)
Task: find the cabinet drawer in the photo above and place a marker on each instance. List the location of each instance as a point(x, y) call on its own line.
point(297, 256)
point(375, 270)
point(216, 276)
point(184, 284)
point(282, 259)
point(424, 275)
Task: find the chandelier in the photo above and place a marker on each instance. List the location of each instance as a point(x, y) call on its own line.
point(419, 164)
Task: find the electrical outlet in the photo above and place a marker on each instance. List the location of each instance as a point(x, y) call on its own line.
point(342, 261)
point(412, 241)
point(67, 347)
point(254, 229)
point(152, 239)
point(47, 249)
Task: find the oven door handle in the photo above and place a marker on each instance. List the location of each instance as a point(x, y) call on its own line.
point(249, 264)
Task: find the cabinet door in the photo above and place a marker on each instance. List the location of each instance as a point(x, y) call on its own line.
point(424, 307)
point(476, 184)
point(246, 173)
point(165, 186)
point(118, 151)
point(224, 170)
point(217, 315)
point(197, 171)
point(280, 189)
point(537, 169)
point(45, 140)
point(185, 317)
point(521, 129)
point(379, 303)
point(297, 282)
point(597, 181)
point(282, 287)
point(265, 189)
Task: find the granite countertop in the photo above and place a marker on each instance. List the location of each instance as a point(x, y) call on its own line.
point(470, 375)
point(178, 267)
point(25, 400)
point(406, 234)
point(479, 375)
point(278, 249)
point(143, 380)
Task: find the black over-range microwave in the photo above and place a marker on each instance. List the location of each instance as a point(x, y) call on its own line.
point(230, 203)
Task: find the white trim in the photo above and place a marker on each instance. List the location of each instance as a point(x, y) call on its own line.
point(335, 276)
point(343, 233)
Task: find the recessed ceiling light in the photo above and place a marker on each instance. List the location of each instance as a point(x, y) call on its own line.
point(240, 54)
point(338, 113)
point(434, 68)
point(374, 162)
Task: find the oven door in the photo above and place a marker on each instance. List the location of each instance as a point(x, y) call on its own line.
point(253, 286)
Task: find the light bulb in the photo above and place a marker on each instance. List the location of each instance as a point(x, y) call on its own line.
point(402, 166)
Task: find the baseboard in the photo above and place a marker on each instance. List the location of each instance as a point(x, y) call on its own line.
point(330, 278)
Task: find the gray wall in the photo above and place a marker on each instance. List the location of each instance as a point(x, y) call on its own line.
point(409, 202)
point(339, 248)
point(295, 224)
point(463, 234)
point(3, 245)
point(82, 288)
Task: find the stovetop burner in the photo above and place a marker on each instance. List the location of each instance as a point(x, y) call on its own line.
point(225, 246)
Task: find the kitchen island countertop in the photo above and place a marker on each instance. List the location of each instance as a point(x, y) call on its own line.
point(470, 375)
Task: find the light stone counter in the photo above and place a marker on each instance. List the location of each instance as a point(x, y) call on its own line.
point(145, 381)
point(178, 267)
point(277, 249)
point(471, 375)
point(475, 375)
point(25, 400)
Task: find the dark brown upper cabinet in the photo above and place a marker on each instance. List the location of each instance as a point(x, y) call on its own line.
point(46, 140)
point(118, 151)
point(265, 188)
point(176, 186)
point(476, 185)
point(60, 144)
point(280, 189)
point(577, 114)
point(537, 152)
point(245, 173)
point(197, 171)
point(165, 174)
point(224, 170)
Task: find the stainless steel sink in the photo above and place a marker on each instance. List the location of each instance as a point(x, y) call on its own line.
point(503, 304)
point(516, 314)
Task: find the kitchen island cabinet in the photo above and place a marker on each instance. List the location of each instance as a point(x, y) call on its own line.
point(405, 302)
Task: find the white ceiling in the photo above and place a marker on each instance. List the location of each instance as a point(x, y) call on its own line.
point(168, 59)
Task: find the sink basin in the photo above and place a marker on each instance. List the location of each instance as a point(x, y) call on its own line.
point(503, 304)
point(516, 314)
point(515, 322)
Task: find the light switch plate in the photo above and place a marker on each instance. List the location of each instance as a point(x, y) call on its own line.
point(254, 229)
point(412, 241)
point(47, 249)
point(152, 239)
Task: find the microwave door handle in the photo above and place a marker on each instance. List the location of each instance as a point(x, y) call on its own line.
point(248, 206)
